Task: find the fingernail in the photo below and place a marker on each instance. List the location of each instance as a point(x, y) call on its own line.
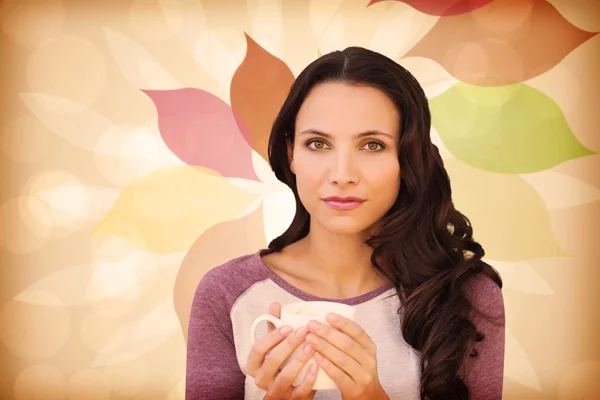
point(333, 317)
point(308, 348)
point(301, 332)
point(286, 329)
point(313, 339)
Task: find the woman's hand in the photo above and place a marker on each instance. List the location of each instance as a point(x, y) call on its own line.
point(266, 369)
point(348, 355)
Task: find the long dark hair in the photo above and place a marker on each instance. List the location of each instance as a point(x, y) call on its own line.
point(423, 245)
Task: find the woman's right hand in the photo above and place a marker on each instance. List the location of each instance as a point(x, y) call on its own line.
point(266, 370)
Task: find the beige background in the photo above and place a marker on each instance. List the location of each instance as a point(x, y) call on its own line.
point(98, 213)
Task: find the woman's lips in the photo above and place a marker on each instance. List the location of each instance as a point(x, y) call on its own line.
point(343, 204)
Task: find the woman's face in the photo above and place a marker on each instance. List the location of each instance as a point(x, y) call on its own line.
point(346, 140)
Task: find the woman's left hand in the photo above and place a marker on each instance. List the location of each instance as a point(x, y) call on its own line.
point(348, 355)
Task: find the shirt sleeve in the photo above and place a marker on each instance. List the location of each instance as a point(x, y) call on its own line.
point(212, 369)
point(484, 374)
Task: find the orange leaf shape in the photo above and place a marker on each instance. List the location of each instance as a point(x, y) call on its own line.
point(442, 7)
point(219, 244)
point(258, 89)
point(502, 43)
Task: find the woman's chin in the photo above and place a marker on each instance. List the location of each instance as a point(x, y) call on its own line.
point(346, 226)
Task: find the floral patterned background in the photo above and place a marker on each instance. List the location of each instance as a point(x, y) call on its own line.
point(133, 139)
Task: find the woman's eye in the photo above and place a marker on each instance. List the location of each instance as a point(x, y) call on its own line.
point(316, 144)
point(374, 146)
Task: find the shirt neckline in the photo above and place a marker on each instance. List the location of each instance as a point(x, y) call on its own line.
point(285, 285)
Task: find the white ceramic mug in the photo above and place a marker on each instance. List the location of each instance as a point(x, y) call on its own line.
point(300, 314)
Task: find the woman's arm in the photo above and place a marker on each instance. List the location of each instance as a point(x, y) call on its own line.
point(484, 374)
point(212, 370)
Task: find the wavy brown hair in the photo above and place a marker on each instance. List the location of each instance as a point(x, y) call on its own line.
point(424, 245)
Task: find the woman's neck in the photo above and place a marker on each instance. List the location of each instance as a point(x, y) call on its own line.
point(340, 262)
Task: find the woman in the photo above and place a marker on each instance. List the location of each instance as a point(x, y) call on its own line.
point(375, 228)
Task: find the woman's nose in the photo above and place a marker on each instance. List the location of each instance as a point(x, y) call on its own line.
point(343, 170)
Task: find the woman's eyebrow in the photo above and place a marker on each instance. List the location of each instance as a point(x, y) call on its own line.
point(358, 136)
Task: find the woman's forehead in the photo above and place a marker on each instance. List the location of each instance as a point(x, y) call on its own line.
point(338, 108)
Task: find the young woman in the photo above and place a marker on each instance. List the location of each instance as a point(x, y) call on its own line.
point(375, 227)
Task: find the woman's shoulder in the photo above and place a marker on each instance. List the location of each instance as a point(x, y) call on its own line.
point(234, 274)
point(485, 295)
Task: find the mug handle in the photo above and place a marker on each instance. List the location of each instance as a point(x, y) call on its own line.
point(265, 317)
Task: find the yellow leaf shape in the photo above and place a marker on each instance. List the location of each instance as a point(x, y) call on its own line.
point(509, 217)
point(166, 210)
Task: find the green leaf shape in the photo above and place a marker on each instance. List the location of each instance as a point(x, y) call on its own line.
point(512, 129)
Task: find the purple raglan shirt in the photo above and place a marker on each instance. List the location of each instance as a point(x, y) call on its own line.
point(231, 296)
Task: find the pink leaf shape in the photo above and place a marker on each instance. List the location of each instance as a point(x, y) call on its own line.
point(442, 7)
point(203, 130)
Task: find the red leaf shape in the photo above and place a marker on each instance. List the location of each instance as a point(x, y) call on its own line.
point(258, 89)
point(216, 246)
point(502, 43)
point(442, 7)
point(203, 130)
